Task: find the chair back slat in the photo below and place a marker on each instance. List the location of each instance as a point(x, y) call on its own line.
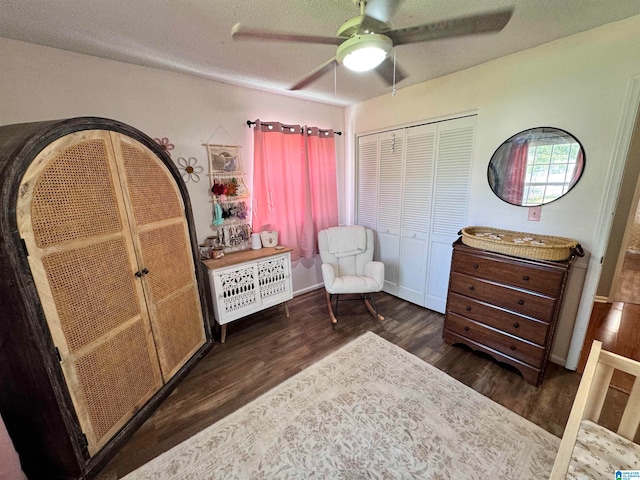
point(598, 392)
point(631, 417)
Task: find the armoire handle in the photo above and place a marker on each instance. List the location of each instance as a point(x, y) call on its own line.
point(140, 273)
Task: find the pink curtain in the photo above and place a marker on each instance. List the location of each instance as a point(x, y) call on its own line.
point(578, 168)
point(294, 186)
point(321, 154)
point(516, 173)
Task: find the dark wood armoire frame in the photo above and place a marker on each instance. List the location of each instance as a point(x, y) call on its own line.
point(34, 399)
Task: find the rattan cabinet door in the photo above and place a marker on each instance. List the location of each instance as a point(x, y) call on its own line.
point(70, 213)
point(161, 238)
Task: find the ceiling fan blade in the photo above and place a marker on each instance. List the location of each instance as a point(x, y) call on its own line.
point(239, 31)
point(382, 10)
point(372, 25)
point(314, 74)
point(455, 27)
point(385, 71)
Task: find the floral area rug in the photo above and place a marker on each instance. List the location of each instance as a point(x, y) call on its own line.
point(368, 410)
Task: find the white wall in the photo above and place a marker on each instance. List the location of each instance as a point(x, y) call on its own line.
point(39, 83)
point(578, 84)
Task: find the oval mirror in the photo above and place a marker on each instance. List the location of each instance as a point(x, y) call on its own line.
point(536, 166)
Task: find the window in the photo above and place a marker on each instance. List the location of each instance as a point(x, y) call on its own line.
point(550, 171)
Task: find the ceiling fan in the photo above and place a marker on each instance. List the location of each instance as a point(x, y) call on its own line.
point(365, 42)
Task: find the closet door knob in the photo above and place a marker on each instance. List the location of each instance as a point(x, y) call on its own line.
point(138, 274)
point(145, 271)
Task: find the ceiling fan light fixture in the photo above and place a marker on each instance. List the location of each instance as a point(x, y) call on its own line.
point(362, 53)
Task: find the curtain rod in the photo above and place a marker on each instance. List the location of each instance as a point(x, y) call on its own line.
point(249, 123)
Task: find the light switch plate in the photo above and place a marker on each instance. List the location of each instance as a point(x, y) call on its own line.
point(534, 214)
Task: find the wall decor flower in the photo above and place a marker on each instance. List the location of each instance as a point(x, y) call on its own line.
point(190, 169)
point(165, 144)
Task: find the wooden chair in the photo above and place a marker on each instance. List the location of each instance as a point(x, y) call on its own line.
point(587, 408)
point(348, 266)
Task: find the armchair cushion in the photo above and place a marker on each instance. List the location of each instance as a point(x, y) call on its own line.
point(346, 241)
point(353, 273)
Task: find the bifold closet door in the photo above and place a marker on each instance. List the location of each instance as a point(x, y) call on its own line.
point(417, 202)
point(72, 219)
point(367, 182)
point(451, 186)
point(389, 205)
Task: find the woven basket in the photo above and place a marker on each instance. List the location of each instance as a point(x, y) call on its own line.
point(519, 244)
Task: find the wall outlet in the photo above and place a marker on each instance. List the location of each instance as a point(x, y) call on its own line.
point(534, 214)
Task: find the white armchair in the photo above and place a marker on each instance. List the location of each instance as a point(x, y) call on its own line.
point(348, 266)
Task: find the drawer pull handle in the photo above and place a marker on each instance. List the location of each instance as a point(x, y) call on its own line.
point(525, 278)
point(466, 329)
point(520, 302)
point(512, 347)
point(516, 325)
point(472, 288)
point(468, 309)
point(475, 265)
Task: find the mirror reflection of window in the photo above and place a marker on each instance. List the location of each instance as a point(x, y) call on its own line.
point(536, 166)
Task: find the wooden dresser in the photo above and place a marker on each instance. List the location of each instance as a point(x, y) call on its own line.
point(505, 306)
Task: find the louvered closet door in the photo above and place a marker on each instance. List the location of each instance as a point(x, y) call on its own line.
point(452, 181)
point(389, 204)
point(71, 216)
point(367, 174)
point(416, 211)
point(161, 238)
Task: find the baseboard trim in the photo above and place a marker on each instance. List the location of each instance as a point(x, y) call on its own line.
point(600, 299)
point(308, 289)
point(558, 360)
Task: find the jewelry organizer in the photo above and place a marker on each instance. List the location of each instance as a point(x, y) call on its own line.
point(230, 198)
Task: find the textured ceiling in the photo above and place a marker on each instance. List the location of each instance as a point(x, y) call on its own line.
point(193, 36)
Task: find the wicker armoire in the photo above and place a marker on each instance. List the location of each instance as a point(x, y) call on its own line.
point(101, 299)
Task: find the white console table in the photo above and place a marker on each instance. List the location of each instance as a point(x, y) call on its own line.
point(248, 281)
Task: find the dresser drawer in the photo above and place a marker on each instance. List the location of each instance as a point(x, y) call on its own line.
point(528, 329)
point(518, 301)
point(545, 280)
point(506, 344)
point(530, 374)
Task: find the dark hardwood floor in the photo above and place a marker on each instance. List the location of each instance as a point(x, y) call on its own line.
point(266, 348)
point(617, 326)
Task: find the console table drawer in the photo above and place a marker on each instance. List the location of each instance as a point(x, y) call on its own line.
point(526, 328)
point(506, 344)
